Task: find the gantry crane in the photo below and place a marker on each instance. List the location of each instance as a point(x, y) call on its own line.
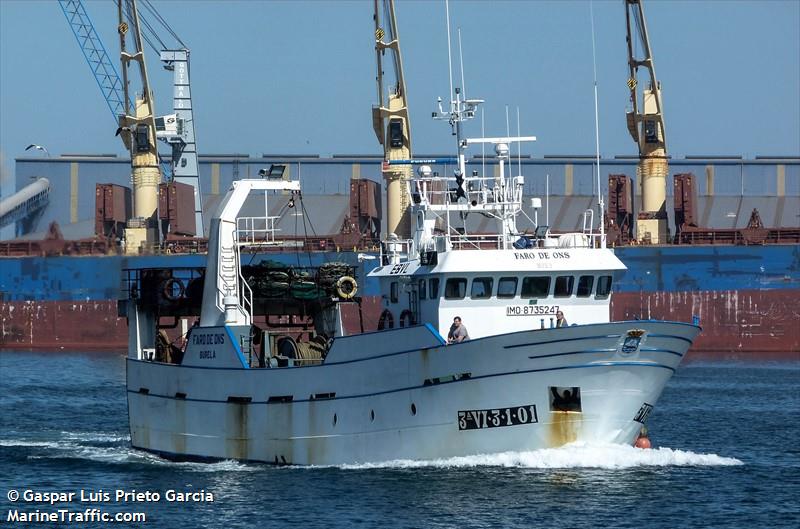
point(646, 125)
point(391, 122)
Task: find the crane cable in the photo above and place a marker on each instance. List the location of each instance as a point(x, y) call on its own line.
point(149, 33)
point(148, 5)
point(147, 36)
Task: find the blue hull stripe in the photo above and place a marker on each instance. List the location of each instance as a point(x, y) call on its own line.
point(669, 336)
point(236, 347)
point(433, 331)
point(599, 351)
point(527, 344)
point(687, 340)
point(657, 350)
point(409, 388)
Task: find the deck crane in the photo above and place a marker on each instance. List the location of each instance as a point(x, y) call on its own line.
point(95, 54)
point(646, 125)
point(391, 121)
point(176, 129)
point(137, 127)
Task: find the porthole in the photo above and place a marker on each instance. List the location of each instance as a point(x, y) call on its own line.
point(371, 415)
point(335, 419)
point(413, 409)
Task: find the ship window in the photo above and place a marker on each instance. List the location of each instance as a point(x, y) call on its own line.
point(396, 133)
point(535, 287)
point(563, 288)
point(603, 287)
point(421, 289)
point(455, 288)
point(507, 287)
point(585, 284)
point(394, 294)
point(433, 288)
point(481, 288)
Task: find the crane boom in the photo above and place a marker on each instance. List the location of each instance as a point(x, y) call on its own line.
point(646, 126)
point(391, 121)
point(138, 130)
point(95, 54)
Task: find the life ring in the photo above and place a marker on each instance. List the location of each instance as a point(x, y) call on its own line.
point(406, 318)
point(386, 320)
point(346, 287)
point(173, 289)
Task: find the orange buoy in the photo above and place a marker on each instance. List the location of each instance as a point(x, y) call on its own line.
point(642, 441)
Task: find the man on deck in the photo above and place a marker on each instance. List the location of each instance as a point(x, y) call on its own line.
point(458, 332)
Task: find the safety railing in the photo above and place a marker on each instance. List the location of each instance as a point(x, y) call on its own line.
point(478, 190)
point(476, 242)
point(245, 292)
point(252, 231)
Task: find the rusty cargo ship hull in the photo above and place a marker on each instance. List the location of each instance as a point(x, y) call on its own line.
point(743, 283)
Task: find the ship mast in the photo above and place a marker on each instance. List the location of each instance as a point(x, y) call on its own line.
point(391, 121)
point(646, 125)
point(138, 131)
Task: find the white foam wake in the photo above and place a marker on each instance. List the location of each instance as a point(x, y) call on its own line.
point(575, 455)
point(113, 449)
point(29, 443)
point(95, 437)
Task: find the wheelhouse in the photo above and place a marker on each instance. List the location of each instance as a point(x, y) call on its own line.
point(510, 292)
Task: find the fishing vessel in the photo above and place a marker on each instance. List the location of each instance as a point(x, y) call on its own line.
point(519, 378)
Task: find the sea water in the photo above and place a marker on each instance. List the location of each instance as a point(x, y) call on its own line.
point(726, 454)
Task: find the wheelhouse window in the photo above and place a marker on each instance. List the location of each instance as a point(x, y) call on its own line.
point(433, 288)
point(563, 288)
point(455, 288)
point(421, 289)
point(603, 287)
point(585, 284)
point(535, 287)
point(394, 293)
point(481, 288)
point(507, 287)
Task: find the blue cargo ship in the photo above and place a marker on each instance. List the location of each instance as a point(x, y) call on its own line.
point(63, 293)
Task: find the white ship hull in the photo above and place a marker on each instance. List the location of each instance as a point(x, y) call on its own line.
point(383, 396)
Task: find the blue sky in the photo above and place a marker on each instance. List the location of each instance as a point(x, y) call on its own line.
point(298, 77)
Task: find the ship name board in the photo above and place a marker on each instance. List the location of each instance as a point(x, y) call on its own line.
point(541, 255)
point(208, 339)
